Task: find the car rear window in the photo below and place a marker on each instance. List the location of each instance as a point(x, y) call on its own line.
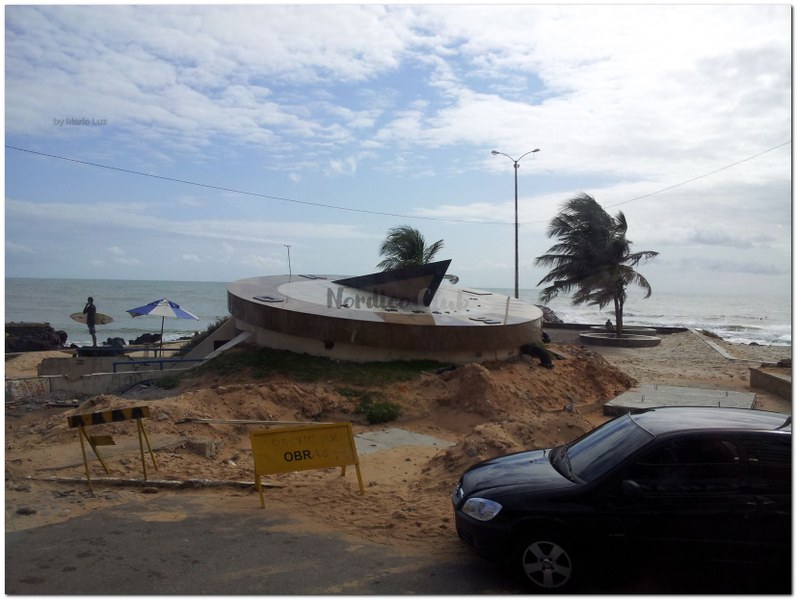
point(690, 463)
point(770, 464)
point(597, 452)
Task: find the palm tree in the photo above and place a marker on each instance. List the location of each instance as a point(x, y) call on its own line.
point(593, 258)
point(404, 246)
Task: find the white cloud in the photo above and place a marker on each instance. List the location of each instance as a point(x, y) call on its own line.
point(15, 248)
point(126, 260)
point(265, 263)
point(368, 106)
point(344, 166)
point(227, 230)
point(120, 257)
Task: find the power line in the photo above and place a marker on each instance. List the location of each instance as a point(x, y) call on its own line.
point(248, 193)
point(364, 211)
point(700, 176)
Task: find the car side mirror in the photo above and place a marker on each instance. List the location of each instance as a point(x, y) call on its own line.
point(631, 489)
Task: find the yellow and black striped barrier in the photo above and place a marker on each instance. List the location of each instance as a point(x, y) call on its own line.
point(110, 416)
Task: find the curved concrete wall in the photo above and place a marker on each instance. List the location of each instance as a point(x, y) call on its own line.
point(319, 317)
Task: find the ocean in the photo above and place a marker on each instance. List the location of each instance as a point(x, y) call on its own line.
point(738, 319)
point(53, 300)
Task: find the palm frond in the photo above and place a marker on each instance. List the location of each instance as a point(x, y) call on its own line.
point(592, 259)
point(405, 246)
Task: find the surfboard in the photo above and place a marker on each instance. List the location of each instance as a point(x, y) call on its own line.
point(99, 318)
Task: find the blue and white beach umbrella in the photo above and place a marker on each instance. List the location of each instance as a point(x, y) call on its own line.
point(162, 308)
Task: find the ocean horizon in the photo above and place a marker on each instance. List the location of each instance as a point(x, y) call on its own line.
point(742, 318)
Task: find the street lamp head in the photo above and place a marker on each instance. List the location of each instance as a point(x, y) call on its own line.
point(495, 152)
point(536, 150)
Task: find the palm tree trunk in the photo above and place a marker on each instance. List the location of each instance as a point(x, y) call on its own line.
point(618, 316)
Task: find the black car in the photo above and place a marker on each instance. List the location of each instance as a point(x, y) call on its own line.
point(681, 484)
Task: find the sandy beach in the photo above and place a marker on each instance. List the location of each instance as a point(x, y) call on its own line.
point(476, 411)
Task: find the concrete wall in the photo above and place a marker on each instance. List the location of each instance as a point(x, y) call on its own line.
point(73, 367)
point(29, 387)
point(370, 331)
point(222, 334)
point(83, 385)
point(104, 383)
point(359, 353)
point(771, 381)
point(89, 376)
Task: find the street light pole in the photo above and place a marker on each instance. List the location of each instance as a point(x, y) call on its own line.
point(516, 163)
point(290, 273)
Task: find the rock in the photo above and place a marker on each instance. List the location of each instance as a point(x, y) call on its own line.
point(146, 338)
point(116, 342)
point(33, 337)
point(548, 316)
point(709, 334)
point(204, 447)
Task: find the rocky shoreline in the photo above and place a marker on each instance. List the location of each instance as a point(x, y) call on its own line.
point(33, 337)
point(42, 337)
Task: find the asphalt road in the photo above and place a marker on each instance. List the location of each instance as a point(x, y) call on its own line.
point(181, 544)
point(173, 545)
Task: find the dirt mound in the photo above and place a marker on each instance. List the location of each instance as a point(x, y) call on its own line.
point(485, 409)
point(482, 410)
point(496, 438)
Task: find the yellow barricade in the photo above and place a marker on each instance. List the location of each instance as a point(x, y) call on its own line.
point(110, 416)
point(286, 449)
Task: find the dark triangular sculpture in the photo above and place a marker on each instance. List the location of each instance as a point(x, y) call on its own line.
point(417, 284)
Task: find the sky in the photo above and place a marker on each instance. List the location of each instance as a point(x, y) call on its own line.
point(216, 143)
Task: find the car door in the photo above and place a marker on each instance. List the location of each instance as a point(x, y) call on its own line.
point(682, 499)
point(769, 458)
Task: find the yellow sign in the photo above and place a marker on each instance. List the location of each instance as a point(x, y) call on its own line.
point(302, 448)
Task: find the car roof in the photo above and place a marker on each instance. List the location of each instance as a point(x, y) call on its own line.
point(659, 421)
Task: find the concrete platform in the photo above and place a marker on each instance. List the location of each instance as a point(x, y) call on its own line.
point(627, 340)
point(374, 441)
point(650, 396)
point(318, 315)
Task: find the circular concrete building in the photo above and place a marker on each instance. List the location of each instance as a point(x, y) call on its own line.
point(357, 319)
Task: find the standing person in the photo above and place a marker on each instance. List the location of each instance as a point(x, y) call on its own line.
point(90, 311)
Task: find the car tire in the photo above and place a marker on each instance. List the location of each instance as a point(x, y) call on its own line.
point(548, 562)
